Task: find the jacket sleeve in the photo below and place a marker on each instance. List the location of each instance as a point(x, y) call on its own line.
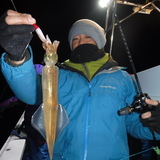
point(23, 80)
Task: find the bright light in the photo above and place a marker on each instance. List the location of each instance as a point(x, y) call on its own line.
point(104, 3)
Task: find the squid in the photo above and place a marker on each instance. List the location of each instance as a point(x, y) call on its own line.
point(50, 118)
point(50, 95)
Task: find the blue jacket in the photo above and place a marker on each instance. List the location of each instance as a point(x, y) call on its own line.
point(95, 130)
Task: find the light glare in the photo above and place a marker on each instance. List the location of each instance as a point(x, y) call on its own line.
point(104, 3)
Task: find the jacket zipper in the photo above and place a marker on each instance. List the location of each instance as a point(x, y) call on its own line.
point(87, 124)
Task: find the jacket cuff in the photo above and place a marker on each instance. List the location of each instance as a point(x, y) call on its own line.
point(8, 61)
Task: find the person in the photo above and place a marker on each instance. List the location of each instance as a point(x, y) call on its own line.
point(91, 88)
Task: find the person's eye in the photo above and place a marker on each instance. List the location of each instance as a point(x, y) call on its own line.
point(74, 39)
point(88, 37)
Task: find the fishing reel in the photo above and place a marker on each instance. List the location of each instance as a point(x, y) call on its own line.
point(139, 105)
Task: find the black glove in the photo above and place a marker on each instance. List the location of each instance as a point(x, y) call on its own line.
point(14, 39)
point(153, 123)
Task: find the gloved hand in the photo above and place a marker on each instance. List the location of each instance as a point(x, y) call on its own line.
point(153, 122)
point(14, 39)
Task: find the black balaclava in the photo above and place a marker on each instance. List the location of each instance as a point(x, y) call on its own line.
point(86, 53)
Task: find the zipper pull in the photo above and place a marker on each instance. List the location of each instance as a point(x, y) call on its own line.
point(89, 90)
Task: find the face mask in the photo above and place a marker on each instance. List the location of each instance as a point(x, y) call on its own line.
point(86, 53)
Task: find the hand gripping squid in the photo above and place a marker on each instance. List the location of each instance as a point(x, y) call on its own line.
point(50, 118)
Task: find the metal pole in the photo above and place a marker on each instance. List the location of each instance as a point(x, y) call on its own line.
point(113, 25)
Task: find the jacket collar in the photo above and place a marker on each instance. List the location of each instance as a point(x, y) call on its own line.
point(90, 69)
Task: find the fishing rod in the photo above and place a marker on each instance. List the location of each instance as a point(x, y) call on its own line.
point(139, 105)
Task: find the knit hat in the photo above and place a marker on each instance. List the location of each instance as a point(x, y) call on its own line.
point(90, 28)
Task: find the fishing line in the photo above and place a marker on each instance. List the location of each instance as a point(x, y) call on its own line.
point(137, 153)
point(14, 5)
point(37, 30)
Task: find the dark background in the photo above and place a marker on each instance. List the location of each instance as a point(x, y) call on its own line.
point(142, 31)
